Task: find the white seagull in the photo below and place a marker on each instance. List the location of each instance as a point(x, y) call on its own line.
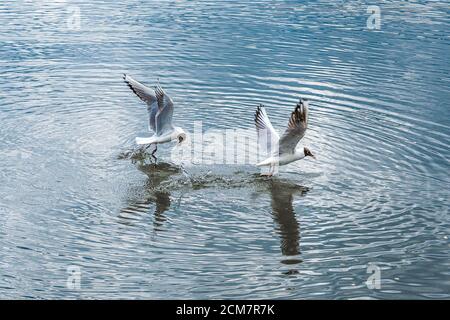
point(160, 111)
point(282, 150)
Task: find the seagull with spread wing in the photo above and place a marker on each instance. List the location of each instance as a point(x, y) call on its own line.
point(160, 111)
point(282, 150)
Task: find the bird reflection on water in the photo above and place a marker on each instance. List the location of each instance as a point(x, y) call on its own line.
point(282, 196)
point(163, 178)
point(153, 195)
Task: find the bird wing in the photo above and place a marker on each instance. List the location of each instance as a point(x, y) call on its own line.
point(165, 112)
point(147, 95)
point(267, 136)
point(296, 128)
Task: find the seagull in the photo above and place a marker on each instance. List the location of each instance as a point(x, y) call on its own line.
point(160, 111)
point(282, 150)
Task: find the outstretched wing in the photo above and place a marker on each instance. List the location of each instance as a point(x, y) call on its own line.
point(147, 95)
point(165, 112)
point(296, 127)
point(267, 136)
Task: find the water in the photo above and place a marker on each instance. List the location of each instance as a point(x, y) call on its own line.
point(378, 193)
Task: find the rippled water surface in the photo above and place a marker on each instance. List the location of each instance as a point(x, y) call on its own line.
point(378, 193)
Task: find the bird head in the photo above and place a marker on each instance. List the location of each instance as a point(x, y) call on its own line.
point(304, 101)
point(180, 135)
point(308, 153)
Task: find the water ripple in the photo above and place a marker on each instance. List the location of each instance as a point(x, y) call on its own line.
point(73, 193)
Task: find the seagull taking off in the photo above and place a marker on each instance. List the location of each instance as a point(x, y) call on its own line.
point(282, 150)
point(160, 111)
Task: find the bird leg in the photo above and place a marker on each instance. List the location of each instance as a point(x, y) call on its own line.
point(153, 153)
point(272, 170)
point(270, 173)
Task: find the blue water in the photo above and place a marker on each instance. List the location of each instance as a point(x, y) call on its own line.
point(377, 195)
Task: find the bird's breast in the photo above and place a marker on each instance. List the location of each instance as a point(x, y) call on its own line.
point(167, 137)
point(288, 158)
